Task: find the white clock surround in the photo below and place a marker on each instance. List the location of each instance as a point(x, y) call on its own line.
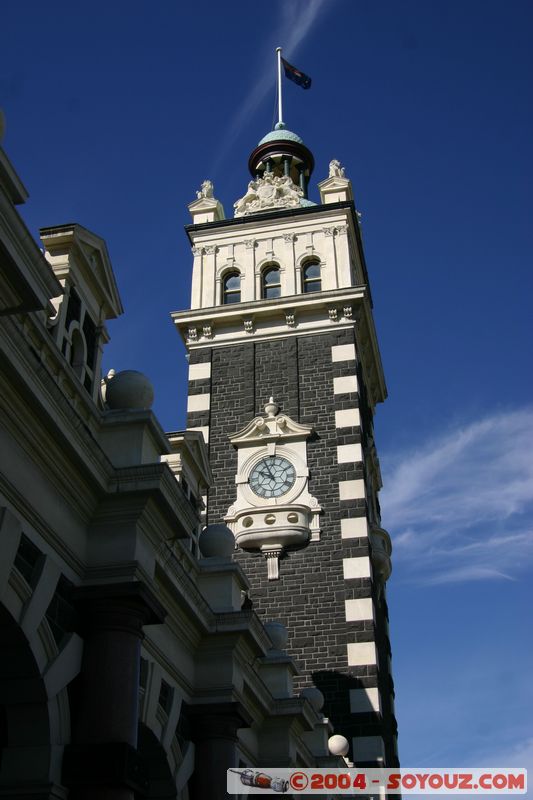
point(270, 525)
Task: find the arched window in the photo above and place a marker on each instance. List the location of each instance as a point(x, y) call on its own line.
point(311, 277)
point(231, 290)
point(77, 352)
point(271, 282)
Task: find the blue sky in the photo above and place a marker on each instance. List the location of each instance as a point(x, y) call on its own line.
point(116, 112)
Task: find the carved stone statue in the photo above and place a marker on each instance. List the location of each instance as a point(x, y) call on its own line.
point(206, 190)
point(269, 191)
point(250, 197)
point(335, 169)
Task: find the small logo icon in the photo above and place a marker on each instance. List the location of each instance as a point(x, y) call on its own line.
point(299, 781)
point(260, 780)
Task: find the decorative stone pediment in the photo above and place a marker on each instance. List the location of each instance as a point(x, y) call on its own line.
point(100, 266)
point(269, 191)
point(271, 428)
point(335, 182)
point(80, 254)
point(203, 204)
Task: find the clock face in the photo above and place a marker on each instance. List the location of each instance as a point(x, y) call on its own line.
point(272, 477)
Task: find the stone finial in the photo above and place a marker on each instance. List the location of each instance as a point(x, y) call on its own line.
point(338, 745)
point(217, 541)
point(128, 390)
point(105, 380)
point(277, 633)
point(271, 408)
point(314, 696)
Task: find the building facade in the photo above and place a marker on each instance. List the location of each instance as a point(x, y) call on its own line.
point(284, 379)
point(132, 664)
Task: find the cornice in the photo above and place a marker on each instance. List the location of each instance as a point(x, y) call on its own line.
point(297, 315)
point(61, 408)
point(176, 580)
point(295, 708)
point(143, 481)
point(271, 216)
point(54, 538)
point(224, 314)
point(28, 281)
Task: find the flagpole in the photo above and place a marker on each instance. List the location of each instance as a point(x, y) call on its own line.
point(280, 108)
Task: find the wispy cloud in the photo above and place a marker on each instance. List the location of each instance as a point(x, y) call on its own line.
point(299, 16)
point(518, 754)
point(460, 507)
point(295, 22)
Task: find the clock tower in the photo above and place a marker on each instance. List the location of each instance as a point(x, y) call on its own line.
point(284, 378)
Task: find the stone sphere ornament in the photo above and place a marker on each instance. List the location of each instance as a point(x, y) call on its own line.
point(338, 745)
point(315, 697)
point(217, 541)
point(129, 390)
point(277, 633)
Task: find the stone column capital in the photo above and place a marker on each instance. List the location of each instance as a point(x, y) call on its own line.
point(118, 606)
point(217, 720)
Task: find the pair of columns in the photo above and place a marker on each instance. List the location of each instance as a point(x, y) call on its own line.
point(102, 761)
point(287, 160)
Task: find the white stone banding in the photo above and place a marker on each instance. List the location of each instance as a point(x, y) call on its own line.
point(198, 402)
point(349, 453)
point(343, 352)
point(354, 528)
point(352, 490)
point(199, 372)
point(368, 748)
point(347, 418)
point(346, 384)
point(362, 654)
point(363, 701)
point(356, 568)
point(359, 609)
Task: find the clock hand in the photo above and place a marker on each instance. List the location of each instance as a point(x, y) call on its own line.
point(271, 483)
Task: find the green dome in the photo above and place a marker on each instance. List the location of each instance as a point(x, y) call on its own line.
point(281, 134)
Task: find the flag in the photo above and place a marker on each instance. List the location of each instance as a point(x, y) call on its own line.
point(295, 75)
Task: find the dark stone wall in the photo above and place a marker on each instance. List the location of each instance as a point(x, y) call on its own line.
point(276, 375)
point(309, 596)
